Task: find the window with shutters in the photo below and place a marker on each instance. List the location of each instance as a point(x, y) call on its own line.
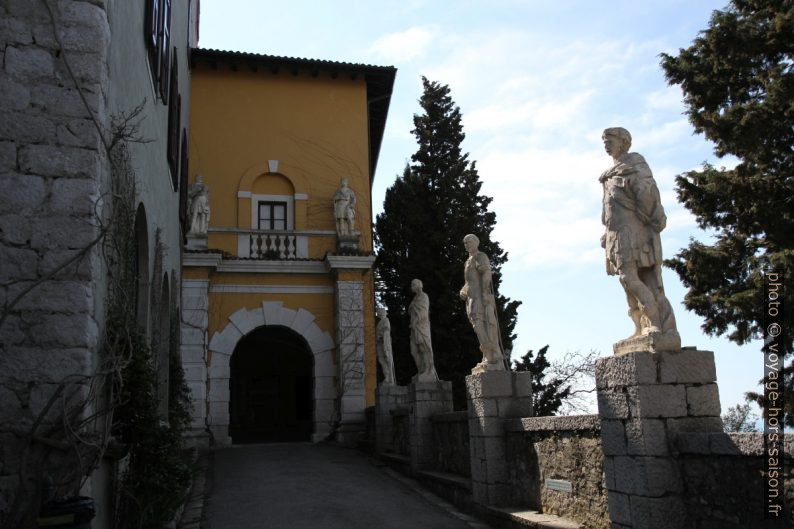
point(157, 35)
point(174, 118)
point(183, 184)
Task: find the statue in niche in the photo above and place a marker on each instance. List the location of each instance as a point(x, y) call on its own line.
point(345, 209)
point(383, 347)
point(199, 207)
point(480, 300)
point(421, 346)
point(634, 217)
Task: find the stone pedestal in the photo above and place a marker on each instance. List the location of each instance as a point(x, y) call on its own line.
point(387, 398)
point(644, 399)
point(196, 241)
point(493, 397)
point(654, 342)
point(425, 399)
point(348, 242)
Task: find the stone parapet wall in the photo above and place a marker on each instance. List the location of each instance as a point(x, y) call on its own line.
point(400, 431)
point(566, 450)
point(723, 481)
point(451, 443)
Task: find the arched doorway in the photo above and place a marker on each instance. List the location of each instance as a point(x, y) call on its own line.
point(271, 387)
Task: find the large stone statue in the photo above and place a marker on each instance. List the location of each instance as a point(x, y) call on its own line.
point(421, 346)
point(383, 347)
point(633, 217)
point(345, 209)
point(199, 207)
point(480, 300)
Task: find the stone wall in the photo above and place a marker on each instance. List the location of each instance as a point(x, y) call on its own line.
point(722, 479)
point(65, 73)
point(451, 443)
point(556, 465)
point(52, 172)
point(401, 435)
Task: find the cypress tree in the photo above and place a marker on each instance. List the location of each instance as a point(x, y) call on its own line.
point(426, 214)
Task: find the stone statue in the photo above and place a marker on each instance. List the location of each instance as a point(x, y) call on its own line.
point(633, 217)
point(421, 346)
point(480, 300)
point(345, 209)
point(383, 347)
point(199, 207)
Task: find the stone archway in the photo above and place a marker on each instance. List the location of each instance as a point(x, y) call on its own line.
point(242, 322)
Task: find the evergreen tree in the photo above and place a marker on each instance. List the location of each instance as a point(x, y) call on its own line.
point(426, 214)
point(738, 86)
point(548, 393)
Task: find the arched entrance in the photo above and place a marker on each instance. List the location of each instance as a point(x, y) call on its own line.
point(245, 321)
point(271, 387)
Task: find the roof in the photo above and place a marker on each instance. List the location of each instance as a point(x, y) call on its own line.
point(379, 80)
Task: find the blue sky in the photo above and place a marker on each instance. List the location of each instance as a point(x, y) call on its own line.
point(537, 82)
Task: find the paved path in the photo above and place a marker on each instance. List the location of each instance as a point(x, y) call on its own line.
point(316, 486)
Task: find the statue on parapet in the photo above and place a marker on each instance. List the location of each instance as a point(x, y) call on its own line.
point(480, 300)
point(383, 347)
point(199, 207)
point(633, 218)
point(421, 345)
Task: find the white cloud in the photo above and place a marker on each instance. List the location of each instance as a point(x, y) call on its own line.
point(403, 46)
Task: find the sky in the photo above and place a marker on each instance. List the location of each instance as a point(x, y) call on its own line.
point(537, 82)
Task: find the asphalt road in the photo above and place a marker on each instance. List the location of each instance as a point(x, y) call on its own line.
point(316, 486)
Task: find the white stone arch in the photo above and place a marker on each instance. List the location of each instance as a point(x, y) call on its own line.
point(242, 322)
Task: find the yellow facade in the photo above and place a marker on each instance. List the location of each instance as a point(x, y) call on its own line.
point(268, 133)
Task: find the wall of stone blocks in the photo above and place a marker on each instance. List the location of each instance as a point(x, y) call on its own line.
point(723, 482)
point(566, 448)
point(451, 443)
point(52, 173)
point(401, 441)
point(54, 176)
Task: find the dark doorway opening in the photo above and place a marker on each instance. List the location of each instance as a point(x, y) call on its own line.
point(271, 387)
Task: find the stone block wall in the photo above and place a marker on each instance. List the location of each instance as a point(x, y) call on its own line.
point(425, 400)
point(387, 399)
point(723, 480)
point(451, 443)
point(401, 437)
point(52, 173)
point(644, 399)
point(564, 449)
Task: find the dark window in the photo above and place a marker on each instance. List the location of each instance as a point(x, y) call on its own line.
point(151, 34)
point(157, 34)
point(272, 215)
point(165, 49)
point(174, 115)
point(183, 184)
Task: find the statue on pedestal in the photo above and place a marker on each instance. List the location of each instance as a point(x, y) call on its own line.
point(480, 300)
point(421, 346)
point(198, 208)
point(345, 209)
point(383, 347)
point(633, 217)
point(345, 216)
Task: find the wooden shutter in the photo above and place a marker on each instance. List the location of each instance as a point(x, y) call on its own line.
point(165, 49)
point(174, 118)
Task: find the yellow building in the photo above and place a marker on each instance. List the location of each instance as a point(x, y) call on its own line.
point(278, 338)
